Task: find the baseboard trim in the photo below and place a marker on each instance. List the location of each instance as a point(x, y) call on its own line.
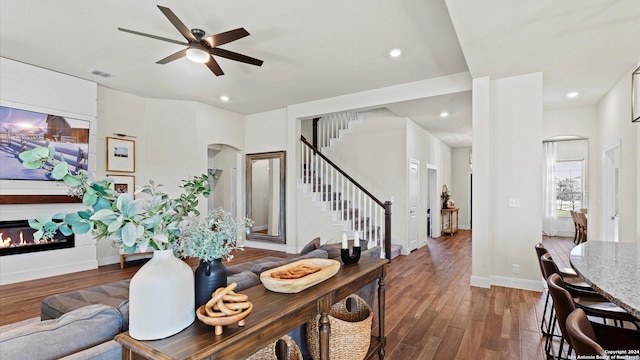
point(480, 281)
point(524, 284)
point(503, 281)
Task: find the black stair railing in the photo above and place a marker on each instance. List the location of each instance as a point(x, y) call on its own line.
point(363, 211)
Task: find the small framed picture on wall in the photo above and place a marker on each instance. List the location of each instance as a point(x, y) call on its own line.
point(123, 184)
point(121, 155)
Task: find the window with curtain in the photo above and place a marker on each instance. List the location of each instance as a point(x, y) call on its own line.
point(564, 183)
point(568, 184)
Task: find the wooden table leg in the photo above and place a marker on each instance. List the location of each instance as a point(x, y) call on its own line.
point(325, 330)
point(381, 309)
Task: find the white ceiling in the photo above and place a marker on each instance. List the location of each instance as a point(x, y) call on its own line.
point(316, 50)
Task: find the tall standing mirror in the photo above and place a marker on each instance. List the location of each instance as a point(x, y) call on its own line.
point(265, 194)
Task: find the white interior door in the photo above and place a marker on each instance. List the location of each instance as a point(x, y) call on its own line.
point(611, 193)
point(414, 182)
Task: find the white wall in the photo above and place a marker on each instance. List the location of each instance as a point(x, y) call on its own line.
point(35, 89)
point(507, 125)
point(614, 115)
point(459, 188)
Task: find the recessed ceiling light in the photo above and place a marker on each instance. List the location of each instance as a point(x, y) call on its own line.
point(572, 94)
point(395, 53)
point(444, 114)
point(224, 98)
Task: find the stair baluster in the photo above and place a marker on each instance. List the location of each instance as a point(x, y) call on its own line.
point(355, 206)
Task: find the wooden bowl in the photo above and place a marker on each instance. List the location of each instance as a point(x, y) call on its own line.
point(219, 322)
point(291, 286)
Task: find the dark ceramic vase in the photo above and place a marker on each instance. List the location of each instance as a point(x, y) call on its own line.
point(209, 276)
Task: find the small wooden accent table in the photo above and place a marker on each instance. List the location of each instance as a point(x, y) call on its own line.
point(273, 315)
point(450, 228)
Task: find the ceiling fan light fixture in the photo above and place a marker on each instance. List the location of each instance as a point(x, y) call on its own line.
point(197, 54)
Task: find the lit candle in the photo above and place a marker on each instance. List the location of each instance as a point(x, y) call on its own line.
point(345, 244)
point(356, 240)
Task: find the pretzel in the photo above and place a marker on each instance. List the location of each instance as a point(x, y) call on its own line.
point(295, 272)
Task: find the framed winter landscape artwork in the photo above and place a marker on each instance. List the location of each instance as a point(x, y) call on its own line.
point(22, 130)
point(121, 155)
point(123, 184)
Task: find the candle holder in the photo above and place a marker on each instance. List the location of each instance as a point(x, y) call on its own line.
point(349, 259)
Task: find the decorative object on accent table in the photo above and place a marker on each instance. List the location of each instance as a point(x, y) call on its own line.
point(164, 285)
point(445, 196)
point(225, 307)
point(299, 275)
point(635, 95)
point(347, 258)
point(210, 238)
point(451, 204)
point(350, 321)
point(161, 301)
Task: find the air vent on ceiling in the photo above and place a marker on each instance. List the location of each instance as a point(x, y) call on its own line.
point(104, 74)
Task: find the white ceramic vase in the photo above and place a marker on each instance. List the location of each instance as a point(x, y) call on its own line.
point(161, 297)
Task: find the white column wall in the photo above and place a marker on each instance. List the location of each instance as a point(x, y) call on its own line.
point(512, 112)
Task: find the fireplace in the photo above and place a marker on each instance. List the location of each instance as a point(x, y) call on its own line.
point(16, 237)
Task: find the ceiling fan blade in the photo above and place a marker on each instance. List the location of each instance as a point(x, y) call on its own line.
point(154, 37)
point(213, 65)
point(172, 57)
point(235, 56)
point(177, 23)
point(226, 37)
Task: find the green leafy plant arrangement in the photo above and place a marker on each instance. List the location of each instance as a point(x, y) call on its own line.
point(152, 220)
point(210, 237)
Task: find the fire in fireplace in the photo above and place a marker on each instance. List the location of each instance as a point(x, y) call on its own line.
point(16, 237)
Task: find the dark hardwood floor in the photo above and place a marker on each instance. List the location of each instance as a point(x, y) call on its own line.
point(432, 312)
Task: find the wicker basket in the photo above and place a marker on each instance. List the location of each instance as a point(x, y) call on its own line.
point(269, 352)
point(350, 334)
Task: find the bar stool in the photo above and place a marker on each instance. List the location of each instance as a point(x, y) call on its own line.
point(582, 226)
point(592, 338)
point(575, 227)
point(573, 282)
point(564, 303)
point(547, 313)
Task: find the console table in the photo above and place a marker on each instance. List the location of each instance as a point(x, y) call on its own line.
point(450, 229)
point(274, 315)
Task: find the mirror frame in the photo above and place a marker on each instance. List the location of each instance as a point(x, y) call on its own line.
point(250, 158)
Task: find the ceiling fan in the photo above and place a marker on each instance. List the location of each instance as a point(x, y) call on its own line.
point(198, 48)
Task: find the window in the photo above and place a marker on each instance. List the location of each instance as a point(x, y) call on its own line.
point(569, 189)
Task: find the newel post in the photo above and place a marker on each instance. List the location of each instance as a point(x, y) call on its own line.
point(387, 229)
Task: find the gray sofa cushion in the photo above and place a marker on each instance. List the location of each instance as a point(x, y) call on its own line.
point(112, 294)
point(245, 279)
point(52, 339)
point(109, 350)
point(312, 245)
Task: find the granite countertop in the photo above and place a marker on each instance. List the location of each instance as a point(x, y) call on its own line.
point(612, 269)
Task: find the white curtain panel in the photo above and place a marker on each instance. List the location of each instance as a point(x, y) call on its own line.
point(549, 223)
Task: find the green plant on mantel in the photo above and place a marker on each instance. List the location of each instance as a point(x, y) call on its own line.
point(151, 220)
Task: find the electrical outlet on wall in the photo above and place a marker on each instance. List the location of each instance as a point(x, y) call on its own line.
point(516, 268)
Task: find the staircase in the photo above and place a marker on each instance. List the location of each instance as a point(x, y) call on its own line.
point(351, 207)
